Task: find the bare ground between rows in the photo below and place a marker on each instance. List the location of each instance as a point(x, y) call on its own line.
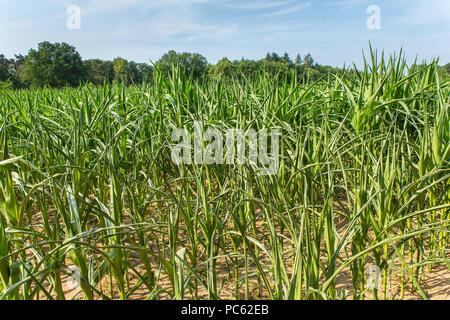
point(434, 281)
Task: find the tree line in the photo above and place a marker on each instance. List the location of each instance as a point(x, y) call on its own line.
point(60, 64)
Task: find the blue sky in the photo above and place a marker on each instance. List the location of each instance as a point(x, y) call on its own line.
point(333, 31)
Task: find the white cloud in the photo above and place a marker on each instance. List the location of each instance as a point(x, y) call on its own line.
point(103, 6)
point(255, 5)
point(289, 10)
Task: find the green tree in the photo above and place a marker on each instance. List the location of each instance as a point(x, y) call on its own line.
point(277, 69)
point(140, 72)
point(122, 70)
point(5, 66)
point(287, 59)
point(447, 68)
point(145, 71)
point(308, 61)
point(16, 65)
point(298, 60)
point(190, 63)
point(18, 62)
point(53, 64)
point(224, 69)
point(99, 71)
point(273, 57)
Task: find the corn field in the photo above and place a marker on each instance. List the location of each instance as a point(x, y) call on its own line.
point(87, 183)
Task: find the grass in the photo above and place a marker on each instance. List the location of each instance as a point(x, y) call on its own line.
point(86, 181)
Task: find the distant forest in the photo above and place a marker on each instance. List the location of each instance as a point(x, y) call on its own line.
point(60, 64)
